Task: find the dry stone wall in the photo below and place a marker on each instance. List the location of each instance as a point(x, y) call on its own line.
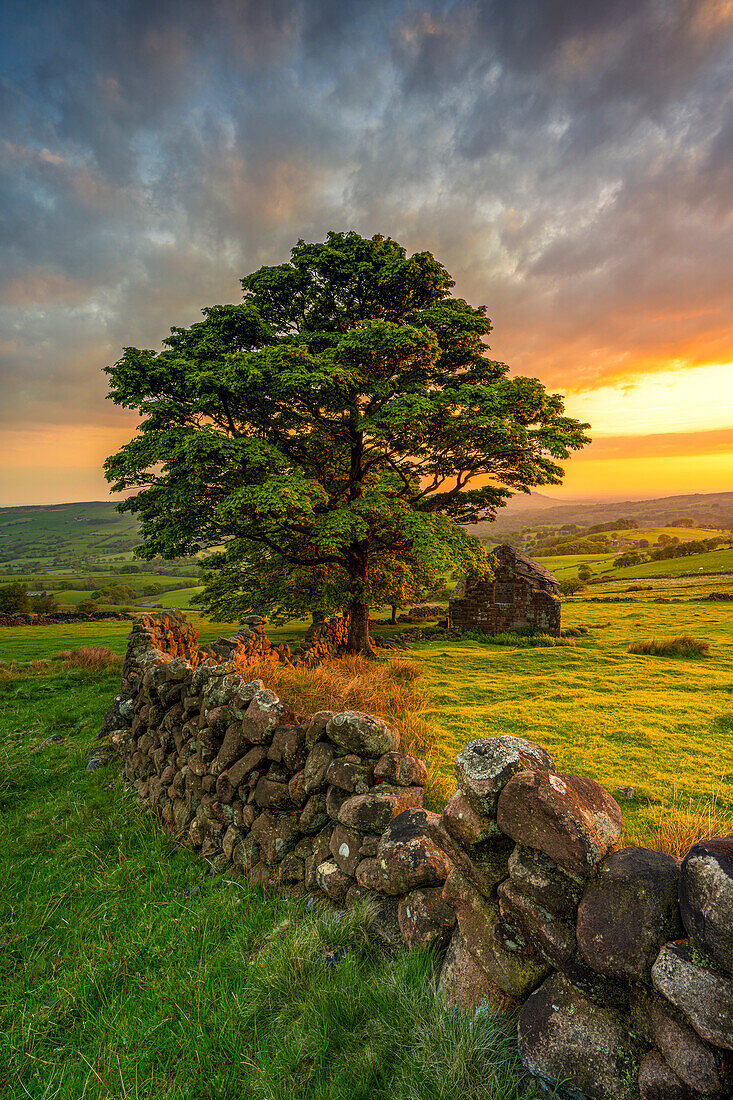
point(617, 961)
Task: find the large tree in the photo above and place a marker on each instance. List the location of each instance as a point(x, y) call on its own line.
point(343, 415)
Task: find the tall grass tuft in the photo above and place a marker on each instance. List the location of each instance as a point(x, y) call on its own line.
point(97, 658)
point(388, 689)
point(678, 826)
point(683, 645)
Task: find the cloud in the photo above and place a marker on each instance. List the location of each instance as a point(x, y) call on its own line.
point(571, 163)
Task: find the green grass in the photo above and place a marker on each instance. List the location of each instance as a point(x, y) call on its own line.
point(128, 970)
point(602, 564)
point(623, 720)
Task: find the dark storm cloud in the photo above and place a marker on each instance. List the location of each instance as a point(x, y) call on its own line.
point(569, 161)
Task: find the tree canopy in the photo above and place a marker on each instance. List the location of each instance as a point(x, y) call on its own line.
point(343, 416)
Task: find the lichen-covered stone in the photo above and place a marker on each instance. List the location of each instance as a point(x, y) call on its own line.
point(345, 845)
point(483, 768)
point(276, 835)
point(372, 812)
point(694, 1061)
point(706, 898)
point(362, 734)
point(569, 818)
point(689, 979)
point(313, 816)
point(272, 795)
point(576, 1046)
point(465, 824)
point(350, 774)
point(333, 881)
point(658, 1081)
point(464, 981)
point(314, 772)
point(424, 918)
point(477, 919)
point(539, 877)
point(406, 857)
point(401, 769)
point(628, 910)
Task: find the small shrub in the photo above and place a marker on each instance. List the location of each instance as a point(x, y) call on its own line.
point(95, 657)
point(578, 631)
point(683, 645)
point(522, 639)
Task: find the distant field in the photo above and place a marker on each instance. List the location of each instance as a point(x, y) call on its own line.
point(711, 560)
point(661, 725)
point(43, 533)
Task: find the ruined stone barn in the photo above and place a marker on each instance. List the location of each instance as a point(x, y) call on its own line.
point(522, 595)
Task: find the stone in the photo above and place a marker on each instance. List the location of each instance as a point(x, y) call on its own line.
point(408, 856)
point(383, 919)
point(333, 881)
point(369, 845)
point(362, 733)
point(576, 1046)
point(314, 773)
point(290, 870)
point(350, 774)
point(296, 788)
point(316, 728)
point(233, 747)
point(401, 769)
point(628, 910)
point(477, 919)
point(484, 865)
point(424, 918)
point(261, 716)
point(313, 816)
point(372, 812)
point(466, 825)
point(230, 780)
point(345, 845)
point(706, 898)
point(276, 835)
point(569, 818)
point(553, 937)
point(694, 1062)
point(483, 768)
point(288, 747)
point(271, 795)
point(464, 981)
point(539, 877)
point(657, 1081)
point(687, 978)
point(335, 799)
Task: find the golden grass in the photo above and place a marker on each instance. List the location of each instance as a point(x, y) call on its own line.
point(683, 645)
point(681, 824)
point(388, 689)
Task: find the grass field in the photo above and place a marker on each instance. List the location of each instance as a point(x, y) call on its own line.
point(130, 972)
point(708, 561)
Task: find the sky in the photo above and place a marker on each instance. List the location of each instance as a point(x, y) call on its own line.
point(570, 162)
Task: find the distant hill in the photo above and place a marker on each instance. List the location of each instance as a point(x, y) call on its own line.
point(65, 534)
point(715, 509)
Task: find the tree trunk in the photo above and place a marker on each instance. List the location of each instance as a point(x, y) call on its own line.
point(393, 620)
point(359, 641)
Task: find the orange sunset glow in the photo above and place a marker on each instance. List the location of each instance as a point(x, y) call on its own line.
point(573, 170)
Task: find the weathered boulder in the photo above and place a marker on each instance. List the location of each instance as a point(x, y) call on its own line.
point(551, 935)
point(333, 881)
point(464, 981)
point(694, 1061)
point(350, 774)
point(272, 795)
point(657, 1081)
point(424, 918)
point(706, 898)
point(261, 716)
point(316, 728)
point(313, 816)
point(483, 768)
point(314, 772)
point(372, 812)
point(362, 734)
point(275, 834)
point(401, 769)
point(577, 1046)
point(383, 918)
point(477, 920)
point(569, 818)
point(687, 978)
point(485, 865)
point(406, 857)
point(628, 910)
point(467, 825)
point(539, 877)
point(288, 747)
point(345, 845)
